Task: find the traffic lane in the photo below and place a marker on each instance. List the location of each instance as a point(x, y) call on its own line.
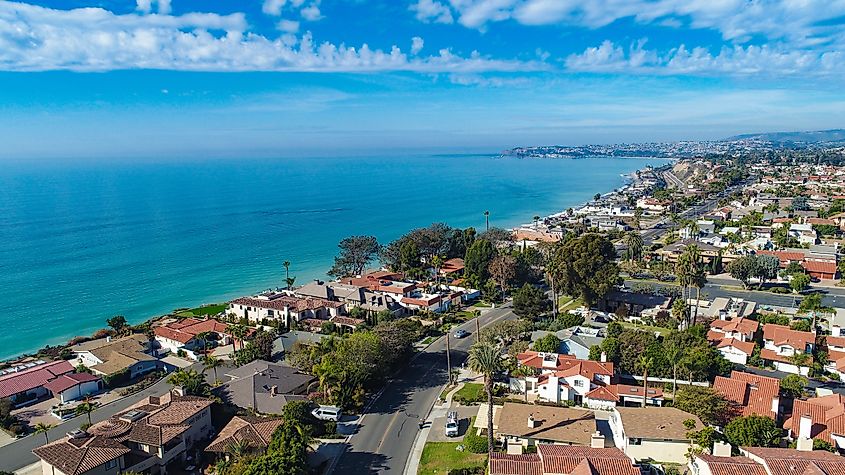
point(710, 291)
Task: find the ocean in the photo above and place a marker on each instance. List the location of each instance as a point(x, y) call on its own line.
point(82, 242)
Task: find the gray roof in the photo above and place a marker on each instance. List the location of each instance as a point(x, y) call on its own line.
point(251, 386)
point(315, 289)
point(287, 340)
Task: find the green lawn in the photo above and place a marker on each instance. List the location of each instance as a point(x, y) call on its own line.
point(213, 309)
point(567, 303)
point(470, 393)
point(441, 457)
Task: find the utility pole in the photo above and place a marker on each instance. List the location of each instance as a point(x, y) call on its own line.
point(478, 326)
point(448, 361)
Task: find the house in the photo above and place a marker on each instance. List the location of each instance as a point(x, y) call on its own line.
point(673, 251)
point(131, 356)
point(155, 434)
point(653, 205)
point(454, 266)
point(740, 328)
point(804, 233)
point(633, 302)
point(836, 354)
point(578, 341)
point(255, 432)
point(523, 425)
point(750, 394)
point(825, 270)
point(778, 461)
point(33, 381)
point(735, 351)
point(264, 387)
point(351, 296)
point(564, 460)
point(653, 432)
point(706, 464)
point(782, 346)
point(608, 397)
point(561, 377)
point(183, 335)
point(821, 418)
point(284, 307)
point(723, 308)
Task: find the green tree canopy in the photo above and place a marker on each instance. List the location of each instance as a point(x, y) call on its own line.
point(753, 431)
point(586, 267)
point(530, 302)
point(477, 261)
point(704, 402)
point(356, 253)
point(743, 269)
point(548, 344)
point(792, 385)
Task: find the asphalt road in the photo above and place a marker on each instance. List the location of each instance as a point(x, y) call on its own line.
point(19, 454)
point(385, 437)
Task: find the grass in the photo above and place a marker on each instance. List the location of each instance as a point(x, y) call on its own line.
point(428, 340)
point(470, 393)
point(212, 309)
point(568, 303)
point(650, 328)
point(441, 457)
point(481, 304)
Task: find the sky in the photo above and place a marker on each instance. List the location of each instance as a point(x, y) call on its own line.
point(227, 78)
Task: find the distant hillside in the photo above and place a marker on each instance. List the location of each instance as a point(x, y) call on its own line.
point(833, 135)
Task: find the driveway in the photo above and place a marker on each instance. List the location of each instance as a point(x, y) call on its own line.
point(438, 426)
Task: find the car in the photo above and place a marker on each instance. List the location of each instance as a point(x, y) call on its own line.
point(327, 413)
point(461, 334)
point(452, 424)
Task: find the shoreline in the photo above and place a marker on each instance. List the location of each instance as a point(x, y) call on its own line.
point(629, 177)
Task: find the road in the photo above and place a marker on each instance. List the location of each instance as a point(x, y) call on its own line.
point(386, 434)
point(19, 454)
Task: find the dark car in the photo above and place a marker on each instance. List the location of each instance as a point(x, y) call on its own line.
point(461, 334)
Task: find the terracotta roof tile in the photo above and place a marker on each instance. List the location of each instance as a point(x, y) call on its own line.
point(254, 431)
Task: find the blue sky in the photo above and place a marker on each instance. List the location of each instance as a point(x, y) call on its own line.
point(178, 78)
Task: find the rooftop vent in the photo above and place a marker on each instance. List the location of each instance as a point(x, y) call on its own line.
point(77, 434)
point(133, 416)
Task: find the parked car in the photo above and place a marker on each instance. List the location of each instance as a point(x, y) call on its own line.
point(452, 424)
point(327, 413)
point(461, 333)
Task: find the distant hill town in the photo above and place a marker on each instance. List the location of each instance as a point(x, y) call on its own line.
point(732, 146)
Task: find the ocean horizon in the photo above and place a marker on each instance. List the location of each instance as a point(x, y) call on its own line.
point(84, 241)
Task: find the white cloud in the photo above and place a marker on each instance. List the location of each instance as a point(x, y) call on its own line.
point(146, 6)
point(432, 11)
point(34, 38)
point(288, 26)
point(417, 44)
point(273, 7)
point(734, 61)
point(311, 12)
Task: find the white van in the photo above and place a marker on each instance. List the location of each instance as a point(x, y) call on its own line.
point(452, 424)
point(327, 413)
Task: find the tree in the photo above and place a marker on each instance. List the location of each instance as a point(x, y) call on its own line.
point(704, 402)
point(586, 267)
point(597, 197)
point(85, 407)
point(753, 431)
point(645, 364)
point(502, 270)
point(477, 261)
point(673, 354)
point(743, 269)
point(634, 241)
point(799, 282)
point(238, 332)
point(286, 264)
point(486, 358)
point(437, 264)
point(297, 412)
point(792, 386)
point(530, 302)
point(356, 252)
point(811, 302)
point(767, 267)
point(42, 428)
point(548, 344)
point(203, 337)
point(212, 363)
point(192, 382)
point(118, 323)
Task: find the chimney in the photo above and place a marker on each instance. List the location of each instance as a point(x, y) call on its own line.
point(531, 422)
point(721, 449)
point(603, 357)
point(274, 390)
point(805, 427)
point(597, 440)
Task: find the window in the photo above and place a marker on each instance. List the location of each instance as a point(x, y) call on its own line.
point(111, 464)
point(578, 383)
point(635, 441)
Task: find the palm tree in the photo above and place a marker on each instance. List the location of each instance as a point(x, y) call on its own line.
point(44, 428)
point(673, 354)
point(85, 407)
point(634, 241)
point(193, 383)
point(645, 363)
point(287, 273)
point(486, 358)
point(203, 337)
point(212, 363)
point(437, 263)
point(238, 332)
point(536, 222)
point(238, 449)
point(487, 219)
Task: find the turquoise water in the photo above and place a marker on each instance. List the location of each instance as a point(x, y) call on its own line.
point(83, 242)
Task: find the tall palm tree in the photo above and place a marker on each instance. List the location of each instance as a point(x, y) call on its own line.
point(437, 263)
point(634, 241)
point(287, 272)
point(486, 358)
point(193, 383)
point(85, 407)
point(645, 363)
point(212, 363)
point(536, 222)
point(487, 219)
point(238, 332)
point(44, 428)
point(203, 337)
point(673, 354)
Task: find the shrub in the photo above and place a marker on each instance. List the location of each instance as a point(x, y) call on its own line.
point(468, 471)
point(779, 290)
point(475, 443)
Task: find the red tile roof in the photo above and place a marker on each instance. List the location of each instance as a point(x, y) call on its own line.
point(507, 464)
point(794, 462)
point(67, 381)
point(827, 414)
point(746, 347)
point(739, 324)
point(823, 267)
point(565, 459)
point(771, 355)
point(783, 335)
point(752, 394)
point(602, 393)
point(732, 465)
point(31, 378)
point(566, 365)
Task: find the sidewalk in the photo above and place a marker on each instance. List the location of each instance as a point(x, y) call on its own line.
point(439, 410)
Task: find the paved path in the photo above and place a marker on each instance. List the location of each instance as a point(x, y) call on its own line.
point(387, 431)
point(19, 454)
